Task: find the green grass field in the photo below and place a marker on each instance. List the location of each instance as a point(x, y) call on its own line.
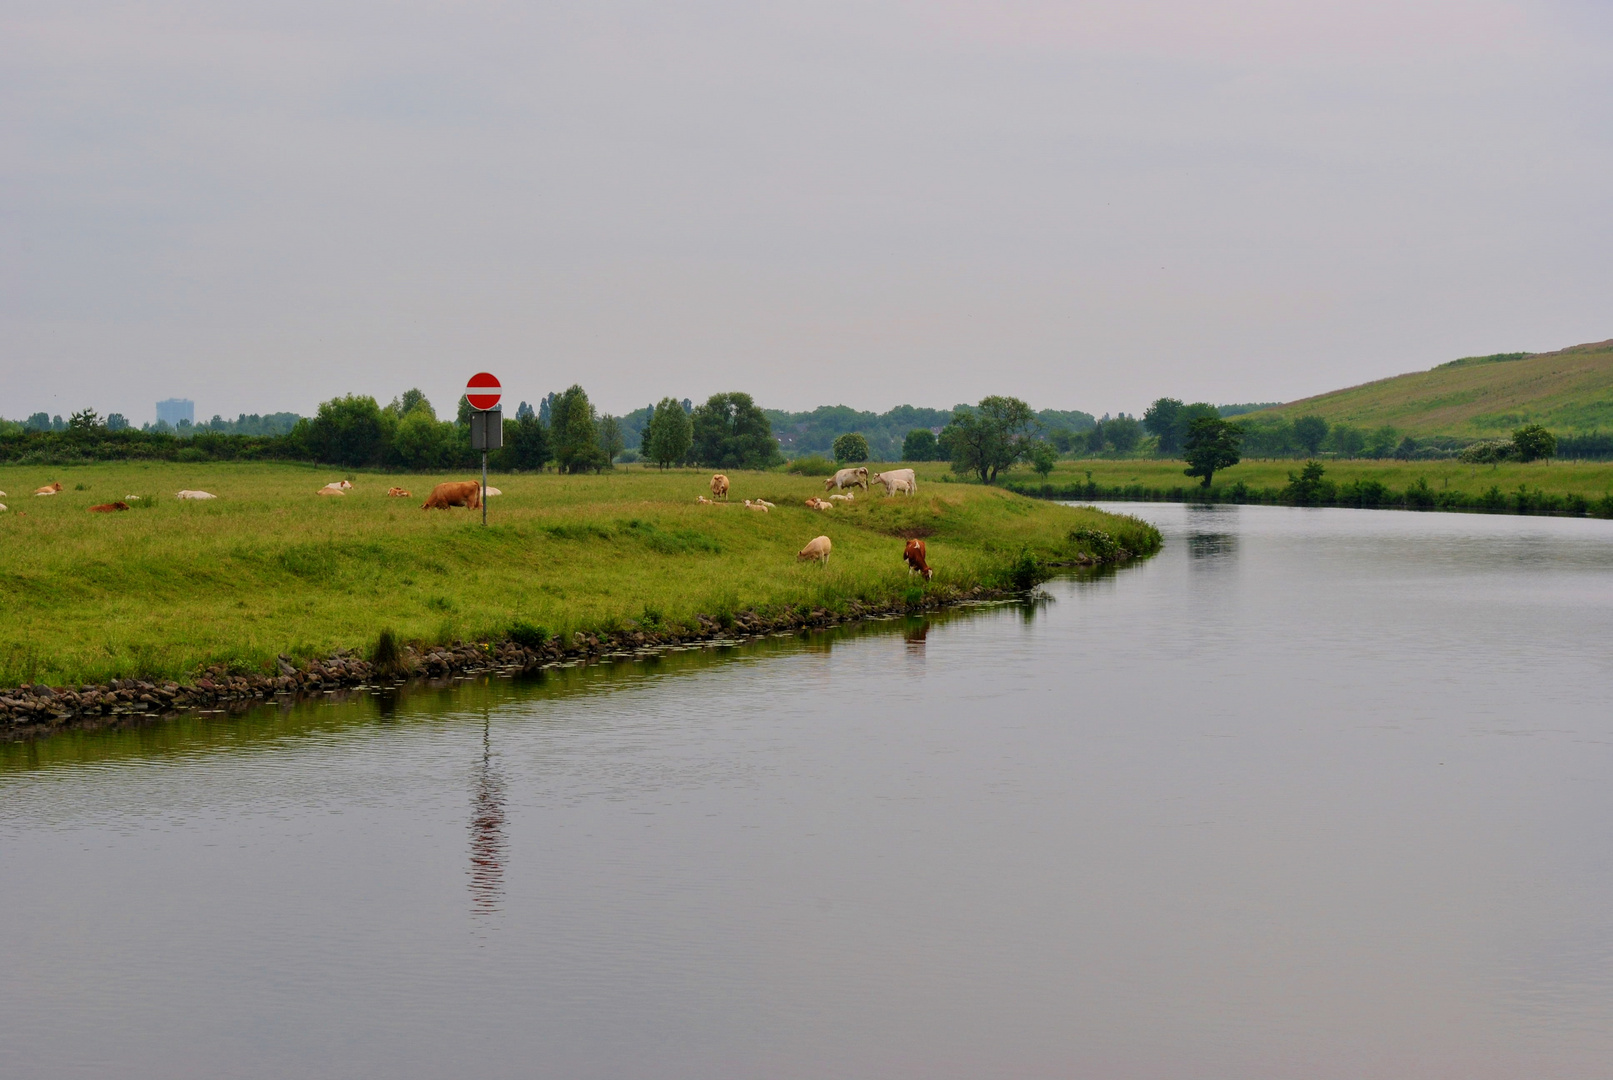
point(269, 567)
point(1570, 390)
point(1591, 479)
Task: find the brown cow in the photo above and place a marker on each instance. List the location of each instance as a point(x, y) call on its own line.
point(396, 493)
point(108, 508)
point(330, 489)
point(466, 493)
point(49, 489)
point(817, 550)
point(719, 486)
point(914, 555)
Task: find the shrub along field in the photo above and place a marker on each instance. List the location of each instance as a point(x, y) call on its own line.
point(269, 567)
point(1577, 487)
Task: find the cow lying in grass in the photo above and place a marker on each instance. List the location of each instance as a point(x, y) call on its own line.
point(109, 508)
point(49, 489)
point(397, 493)
point(466, 493)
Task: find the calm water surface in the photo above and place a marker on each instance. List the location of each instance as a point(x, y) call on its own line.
point(1311, 794)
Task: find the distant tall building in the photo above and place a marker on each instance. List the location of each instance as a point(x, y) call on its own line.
point(176, 409)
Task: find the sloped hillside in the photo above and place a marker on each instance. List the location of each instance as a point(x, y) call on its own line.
point(1569, 391)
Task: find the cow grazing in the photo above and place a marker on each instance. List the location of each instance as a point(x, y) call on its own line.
point(109, 508)
point(896, 480)
point(719, 486)
point(49, 489)
point(846, 478)
point(2, 508)
point(189, 494)
point(817, 550)
point(397, 493)
point(914, 555)
point(466, 493)
point(761, 506)
point(2, 494)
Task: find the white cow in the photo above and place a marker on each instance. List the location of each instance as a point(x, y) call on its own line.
point(188, 494)
point(896, 480)
point(846, 478)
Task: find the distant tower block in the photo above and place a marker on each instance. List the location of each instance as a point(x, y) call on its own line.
point(176, 409)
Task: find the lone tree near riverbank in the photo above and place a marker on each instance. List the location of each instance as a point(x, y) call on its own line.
point(989, 438)
point(1211, 444)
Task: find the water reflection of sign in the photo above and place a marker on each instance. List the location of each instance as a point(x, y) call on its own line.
point(487, 841)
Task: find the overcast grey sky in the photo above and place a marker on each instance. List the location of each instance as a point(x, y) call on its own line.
point(1088, 205)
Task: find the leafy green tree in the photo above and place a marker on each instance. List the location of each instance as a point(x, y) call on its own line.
point(1043, 455)
point(1347, 441)
point(1123, 433)
point(611, 441)
point(84, 422)
point(462, 414)
point(348, 431)
point(526, 441)
point(1533, 443)
point(851, 448)
point(1160, 420)
point(1382, 442)
point(669, 434)
point(421, 441)
point(410, 401)
point(575, 432)
point(37, 422)
point(990, 437)
point(1309, 488)
point(1309, 431)
point(731, 432)
point(920, 445)
point(1212, 444)
point(117, 422)
point(1406, 449)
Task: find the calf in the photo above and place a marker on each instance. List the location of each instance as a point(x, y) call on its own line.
point(466, 493)
point(109, 508)
point(49, 489)
point(189, 494)
point(756, 506)
point(914, 555)
point(719, 486)
point(330, 489)
point(817, 550)
point(820, 504)
point(397, 493)
point(896, 480)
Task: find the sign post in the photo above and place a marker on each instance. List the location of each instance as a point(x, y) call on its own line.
point(486, 423)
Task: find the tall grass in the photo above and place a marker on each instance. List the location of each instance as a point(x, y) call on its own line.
point(271, 568)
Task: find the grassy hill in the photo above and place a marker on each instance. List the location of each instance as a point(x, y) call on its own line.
point(1569, 391)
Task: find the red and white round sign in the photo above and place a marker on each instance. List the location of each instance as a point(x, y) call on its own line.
point(482, 391)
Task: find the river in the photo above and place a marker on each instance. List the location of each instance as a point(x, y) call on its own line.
point(1313, 793)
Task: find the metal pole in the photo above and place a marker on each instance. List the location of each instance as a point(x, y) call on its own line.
point(484, 488)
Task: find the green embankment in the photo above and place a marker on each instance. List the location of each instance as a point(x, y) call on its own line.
point(1568, 391)
point(269, 567)
point(1583, 487)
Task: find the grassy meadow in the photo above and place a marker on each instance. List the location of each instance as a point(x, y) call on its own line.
point(269, 567)
point(1566, 390)
point(1593, 480)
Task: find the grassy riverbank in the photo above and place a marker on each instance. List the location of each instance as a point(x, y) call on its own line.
point(1583, 487)
point(269, 567)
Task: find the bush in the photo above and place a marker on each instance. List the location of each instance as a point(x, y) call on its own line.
point(811, 466)
point(1097, 543)
point(920, 445)
point(1488, 452)
point(851, 448)
point(527, 635)
point(1308, 488)
point(1532, 443)
point(386, 656)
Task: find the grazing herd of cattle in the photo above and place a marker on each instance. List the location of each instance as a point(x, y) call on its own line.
point(818, 548)
point(469, 494)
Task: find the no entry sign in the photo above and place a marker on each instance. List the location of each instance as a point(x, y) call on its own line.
point(482, 391)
